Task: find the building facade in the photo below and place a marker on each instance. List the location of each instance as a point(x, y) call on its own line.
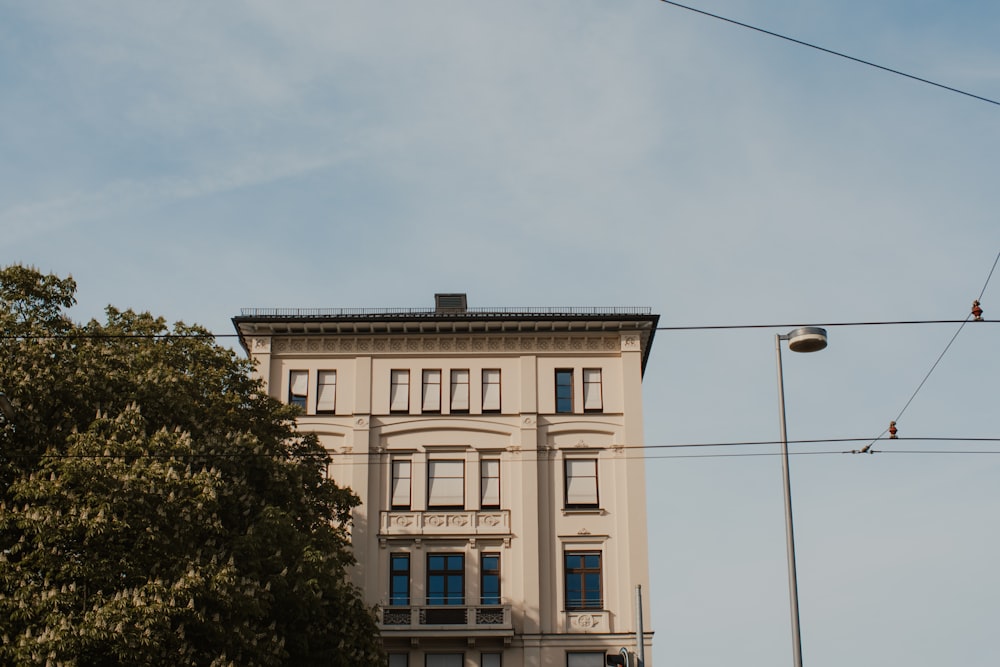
point(503, 516)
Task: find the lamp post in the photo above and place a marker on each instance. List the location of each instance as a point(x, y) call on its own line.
point(804, 339)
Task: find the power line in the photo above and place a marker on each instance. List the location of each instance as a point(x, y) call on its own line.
point(831, 52)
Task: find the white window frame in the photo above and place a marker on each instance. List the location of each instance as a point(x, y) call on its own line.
point(298, 388)
point(489, 484)
point(401, 484)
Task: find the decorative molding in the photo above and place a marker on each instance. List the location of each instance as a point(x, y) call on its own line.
point(630, 343)
point(261, 345)
point(444, 344)
point(588, 621)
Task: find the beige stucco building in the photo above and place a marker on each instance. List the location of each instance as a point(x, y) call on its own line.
point(495, 451)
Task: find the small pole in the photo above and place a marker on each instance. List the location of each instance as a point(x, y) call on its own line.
point(640, 648)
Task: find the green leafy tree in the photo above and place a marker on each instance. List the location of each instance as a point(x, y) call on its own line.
point(155, 507)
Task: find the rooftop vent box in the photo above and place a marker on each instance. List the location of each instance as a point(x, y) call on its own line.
point(450, 303)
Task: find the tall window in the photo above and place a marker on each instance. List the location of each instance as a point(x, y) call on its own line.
point(581, 483)
point(431, 395)
point(491, 390)
point(489, 483)
point(399, 660)
point(399, 391)
point(401, 484)
point(583, 580)
point(399, 580)
point(445, 579)
point(490, 579)
point(490, 660)
point(298, 388)
point(326, 391)
point(564, 390)
point(446, 484)
point(460, 390)
point(592, 398)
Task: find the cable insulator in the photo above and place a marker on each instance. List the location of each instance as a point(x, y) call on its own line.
point(977, 312)
point(892, 430)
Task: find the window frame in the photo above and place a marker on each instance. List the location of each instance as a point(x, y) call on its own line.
point(585, 601)
point(455, 384)
point(400, 598)
point(320, 375)
point(485, 573)
point(564, 380)
point(488, 393)
point(568, 502)
point(599, 658)
point(588, 386)
point(301, 400)
point(399, 387)
point(394, 465)
point(447, 575)
point(432, 466)
point(430, 399)
point(484, 476)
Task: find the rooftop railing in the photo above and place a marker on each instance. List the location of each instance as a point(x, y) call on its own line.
point(305, 313)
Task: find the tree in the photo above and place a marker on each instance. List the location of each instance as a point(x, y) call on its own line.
point(155, 506)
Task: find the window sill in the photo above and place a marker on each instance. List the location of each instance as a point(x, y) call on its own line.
point(583, 510)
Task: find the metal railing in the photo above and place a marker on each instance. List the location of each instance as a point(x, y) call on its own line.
point(309, 313)
point(479, 616)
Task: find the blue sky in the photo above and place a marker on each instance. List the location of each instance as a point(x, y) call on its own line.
point(195, 158)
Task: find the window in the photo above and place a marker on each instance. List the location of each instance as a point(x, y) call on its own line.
point(585, 659)
point(399, 660)
point(326, 391)
point(564, 390)
point(490, 579)
point(431, 398)
point(445, 579)
point(491, 390)
point(399, 391)
point(399, 580)
point(581, 483)
point(401, 485)
point(489, 484)
point(446, 484)
point(444, 660)
point(592, 399)
point(490, 660)
point(460, 391)
point(583, 580)
point(298, 388)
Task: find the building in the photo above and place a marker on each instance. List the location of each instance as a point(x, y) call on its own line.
point(504, 509)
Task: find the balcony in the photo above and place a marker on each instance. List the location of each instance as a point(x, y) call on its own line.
point(465, 523)
point(492, 620)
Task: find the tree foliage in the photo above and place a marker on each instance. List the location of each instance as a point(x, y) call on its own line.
point(155, 506)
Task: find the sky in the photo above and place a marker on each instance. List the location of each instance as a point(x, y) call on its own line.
point(193, 158)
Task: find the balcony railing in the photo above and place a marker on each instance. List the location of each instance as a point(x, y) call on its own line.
point(484, 617)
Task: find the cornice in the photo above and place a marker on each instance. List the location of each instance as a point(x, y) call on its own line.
point(407, 344)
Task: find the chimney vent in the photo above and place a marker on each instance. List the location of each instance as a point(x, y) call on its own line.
point(450, 303)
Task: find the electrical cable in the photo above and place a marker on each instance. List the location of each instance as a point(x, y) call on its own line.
point(832, 52)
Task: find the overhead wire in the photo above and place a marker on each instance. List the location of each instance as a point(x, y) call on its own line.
point(831, 52)
point(867, 449)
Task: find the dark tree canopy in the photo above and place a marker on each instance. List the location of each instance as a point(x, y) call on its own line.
point(157, 508)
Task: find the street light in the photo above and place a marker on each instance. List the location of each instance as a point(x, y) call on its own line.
point(804, 339)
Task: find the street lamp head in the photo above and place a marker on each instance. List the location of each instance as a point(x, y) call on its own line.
point(806, 339)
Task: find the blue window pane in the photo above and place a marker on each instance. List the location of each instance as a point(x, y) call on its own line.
point(435, 562)
point(591, 561)
point(455, 563)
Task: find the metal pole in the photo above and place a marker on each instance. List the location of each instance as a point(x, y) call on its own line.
point(640, 645)
point(793, 587)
